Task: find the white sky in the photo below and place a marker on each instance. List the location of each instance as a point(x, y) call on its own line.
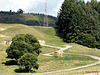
point(32, 6)
point(89, 0)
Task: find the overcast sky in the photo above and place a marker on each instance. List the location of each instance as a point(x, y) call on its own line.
point(32, 6)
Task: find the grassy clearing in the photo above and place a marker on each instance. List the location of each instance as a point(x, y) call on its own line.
point(83, 50)
point(53, 64)
point(48, 50)
point(3, 47)
point(80, 71)
point(46, 63)
point(5, 63)
point(5, 69)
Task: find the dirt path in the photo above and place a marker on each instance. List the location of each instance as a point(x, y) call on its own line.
point(62, 49)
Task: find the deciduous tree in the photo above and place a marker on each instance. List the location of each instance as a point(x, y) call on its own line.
point(21, 44)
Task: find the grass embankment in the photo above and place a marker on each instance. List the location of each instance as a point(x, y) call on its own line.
point(46, 63)
point(83, 50)
point(41, 33)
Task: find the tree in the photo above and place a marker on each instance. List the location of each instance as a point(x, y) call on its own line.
point(98, 7)
point(28, 61)
point(20, 11)
point(64, 17)
point(21, 44)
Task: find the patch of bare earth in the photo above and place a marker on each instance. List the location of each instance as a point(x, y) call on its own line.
point(3, 36)
point(2, 29)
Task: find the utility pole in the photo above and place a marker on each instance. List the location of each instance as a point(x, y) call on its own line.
point(45, 16)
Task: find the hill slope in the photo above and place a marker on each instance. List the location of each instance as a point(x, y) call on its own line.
point(7, 31)
point(26, 18)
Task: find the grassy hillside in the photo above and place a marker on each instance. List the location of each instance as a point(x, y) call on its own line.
point(48, 34)
point(30, 19)
point(7, 31)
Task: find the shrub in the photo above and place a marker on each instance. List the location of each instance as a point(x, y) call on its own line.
point(28, 61)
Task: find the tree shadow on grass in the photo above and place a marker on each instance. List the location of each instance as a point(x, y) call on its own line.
point(10, 62)
point(23, 71)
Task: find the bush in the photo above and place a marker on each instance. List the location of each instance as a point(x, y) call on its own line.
point(28, 61)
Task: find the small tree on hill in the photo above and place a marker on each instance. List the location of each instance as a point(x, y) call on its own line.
point(21, 44)
point(20, 11)
point(28, 61)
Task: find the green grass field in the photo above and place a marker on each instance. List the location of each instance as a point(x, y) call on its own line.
point(46, 63)
point(53, 64)
point(41, 33)
point(83, 50)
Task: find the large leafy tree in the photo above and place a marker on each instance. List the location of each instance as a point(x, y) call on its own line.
point(21, 44)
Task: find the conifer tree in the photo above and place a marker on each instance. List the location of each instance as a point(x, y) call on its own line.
point(78, 19)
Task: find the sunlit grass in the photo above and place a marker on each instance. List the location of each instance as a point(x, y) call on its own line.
point(53, 64)
point(83, 71)
point(83, 50)
point(46, 63)
point(41, 33)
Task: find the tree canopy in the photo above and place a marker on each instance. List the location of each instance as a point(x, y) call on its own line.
point(78, 19)
point(31, 19)
point(20, 11)
point(28, 61)
point(21, 44)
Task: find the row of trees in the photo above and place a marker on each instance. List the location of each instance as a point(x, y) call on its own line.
point(79, 22)
point(13, 12)
point(25, 49)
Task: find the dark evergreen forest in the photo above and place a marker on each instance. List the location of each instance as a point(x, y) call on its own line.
point(79, 22)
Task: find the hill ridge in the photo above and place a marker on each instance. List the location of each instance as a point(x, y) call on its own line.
point(30, 19)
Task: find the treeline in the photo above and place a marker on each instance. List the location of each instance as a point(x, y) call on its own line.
point(30, 19)
point(79, 22)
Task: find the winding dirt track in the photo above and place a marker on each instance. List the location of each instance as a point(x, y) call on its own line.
point(62, 49)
